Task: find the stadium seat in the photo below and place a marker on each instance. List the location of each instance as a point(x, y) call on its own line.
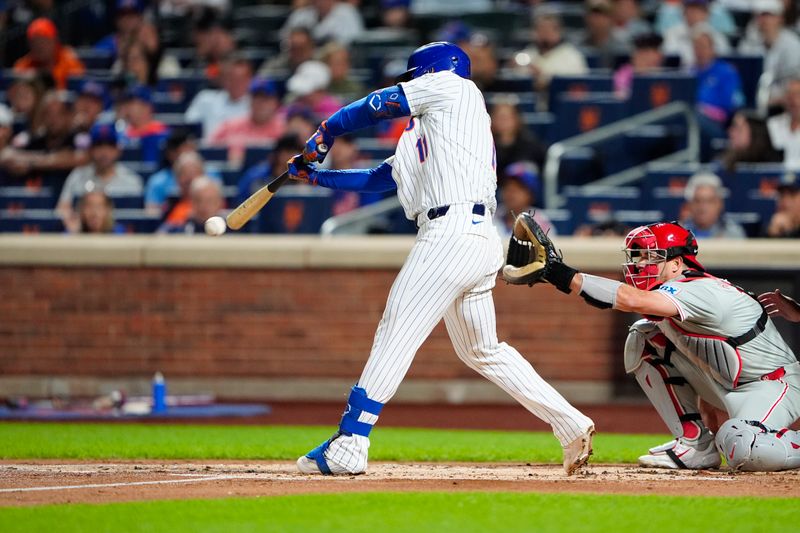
point(182, 88)
point(582, 85)
point(137, 221)
point(654, 90)
point(598, 205)
point(580, 166)
point(583, 113)
point(214, 153)
point(254, 155)
point(22, 198)
point(128, 201)
point(297, 209)
point(31, 221)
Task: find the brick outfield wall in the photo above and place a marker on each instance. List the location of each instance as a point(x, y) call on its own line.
point(113, 322)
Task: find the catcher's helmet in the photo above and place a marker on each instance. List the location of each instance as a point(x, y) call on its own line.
point(648, 246)
point(435, 57)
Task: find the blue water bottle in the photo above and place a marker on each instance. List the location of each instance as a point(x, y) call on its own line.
point(159, 393)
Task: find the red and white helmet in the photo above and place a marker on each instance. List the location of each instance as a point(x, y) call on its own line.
point(646, 247)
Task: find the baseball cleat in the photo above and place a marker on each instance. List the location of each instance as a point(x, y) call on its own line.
point(577, 452)
point(678, 454)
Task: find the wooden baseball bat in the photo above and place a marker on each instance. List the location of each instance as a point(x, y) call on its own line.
point(256, 201)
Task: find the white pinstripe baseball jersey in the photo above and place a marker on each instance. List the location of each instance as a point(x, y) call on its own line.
point(446, 155)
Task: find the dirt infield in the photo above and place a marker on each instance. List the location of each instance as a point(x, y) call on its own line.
point(40, 482)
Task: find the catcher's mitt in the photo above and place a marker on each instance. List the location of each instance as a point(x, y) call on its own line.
point(532, 257)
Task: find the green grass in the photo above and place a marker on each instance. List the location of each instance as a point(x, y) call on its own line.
point(135, 441)
point(418, 512)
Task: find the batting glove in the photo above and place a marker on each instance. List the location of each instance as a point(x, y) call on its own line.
point(319, 144)
point(302, 170)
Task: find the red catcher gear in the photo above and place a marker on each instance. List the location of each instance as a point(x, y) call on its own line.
point(646, 247)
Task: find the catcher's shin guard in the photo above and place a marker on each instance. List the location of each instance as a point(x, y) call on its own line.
point(673, 398)
point(750, 446)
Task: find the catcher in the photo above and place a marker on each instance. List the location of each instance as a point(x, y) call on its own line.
point(702, 339)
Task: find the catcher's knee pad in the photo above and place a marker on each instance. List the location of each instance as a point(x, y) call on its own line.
point(361, 413)
point(750, 446)
point(637, 345)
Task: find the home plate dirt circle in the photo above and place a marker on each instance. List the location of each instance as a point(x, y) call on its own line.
point(42, 482)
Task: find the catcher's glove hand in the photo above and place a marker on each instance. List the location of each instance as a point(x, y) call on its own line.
point(532, 257)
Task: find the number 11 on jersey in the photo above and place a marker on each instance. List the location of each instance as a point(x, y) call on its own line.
point(422, 148)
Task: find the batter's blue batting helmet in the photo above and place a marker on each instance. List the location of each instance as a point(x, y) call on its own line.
point(435, 57)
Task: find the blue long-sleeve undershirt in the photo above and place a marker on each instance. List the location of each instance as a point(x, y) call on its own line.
point(378, 179)
point(386, 103)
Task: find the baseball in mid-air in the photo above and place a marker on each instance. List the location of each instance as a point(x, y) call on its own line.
point(215, 226)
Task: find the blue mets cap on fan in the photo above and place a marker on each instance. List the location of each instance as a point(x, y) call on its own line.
point(436, 57)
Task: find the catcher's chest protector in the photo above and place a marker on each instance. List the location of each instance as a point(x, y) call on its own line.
point(714, 354)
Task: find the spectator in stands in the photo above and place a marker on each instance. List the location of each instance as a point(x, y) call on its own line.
point(647, 57)
point(628, 21)
point(606, 228)
point(309, 87)
point(212, 107)
point(705, 197)
point(143, 130)
point(96, 214)
point(719, 87)
point(679, 39)
point(779, 45)
point(297, 48)
point(188, 167)
point(784, 129)
point(24, 96)
point(104, 172)
point(483, 63)
point(262, 173)
point(396, 13)
point(262, 126)
point(670, 14)
point(520, 190)
point(342, 85)
point(131, 26)
point(162, 185)
point(6, 130)
point(748, 142)
point(599, 38)
point(89, 104)
point(786, 220)
point(345, 155)
point(213, 43)
point(47, 56)
point(300, 121)
point(205, 201)
point(133, 65)
point(551, 55)
point(513, 141)
point(53, 149)
point(329, 20)
point(180, 8)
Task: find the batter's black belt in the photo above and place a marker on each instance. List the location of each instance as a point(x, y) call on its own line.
point(436, 212)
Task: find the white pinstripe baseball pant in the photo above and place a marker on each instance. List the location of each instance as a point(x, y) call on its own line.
point(449, 274)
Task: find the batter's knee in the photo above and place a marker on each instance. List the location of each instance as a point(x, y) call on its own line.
point(750, 446)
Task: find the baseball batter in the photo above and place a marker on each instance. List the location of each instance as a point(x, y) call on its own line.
point(443, 170)
point(702, 338)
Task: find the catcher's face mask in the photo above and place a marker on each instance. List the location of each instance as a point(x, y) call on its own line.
point(643, 259)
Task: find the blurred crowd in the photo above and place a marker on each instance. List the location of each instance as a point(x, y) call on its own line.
point(91, 105)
